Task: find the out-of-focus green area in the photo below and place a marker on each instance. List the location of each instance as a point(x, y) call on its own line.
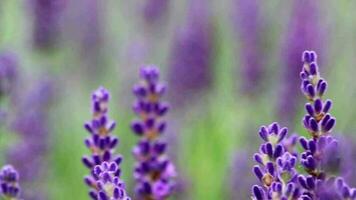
point(208, 132)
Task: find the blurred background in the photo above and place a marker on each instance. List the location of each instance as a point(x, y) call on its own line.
point(230, 66)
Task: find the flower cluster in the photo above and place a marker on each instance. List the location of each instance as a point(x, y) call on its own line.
point(110, 187)
point(154, 10)
point(153, 172)
point(8, 68)
point(276, 169)
point(101, 143)
point(277, 166)
point(9, 179)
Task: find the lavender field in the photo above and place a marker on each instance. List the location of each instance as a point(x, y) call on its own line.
point(177, 100)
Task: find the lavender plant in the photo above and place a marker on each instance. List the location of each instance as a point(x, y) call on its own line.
point(32, 125)
point(154, 172)
point(46, 14)
point(191, 61)
point(154, 10)
point(9, 183)
point(102, 145)
point(277, 167)
point(249, 29)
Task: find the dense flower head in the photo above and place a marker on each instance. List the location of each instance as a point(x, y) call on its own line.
point(276, 167)
point(9, 179)
point(110, 187)
point(101, 143)
point(154, 172)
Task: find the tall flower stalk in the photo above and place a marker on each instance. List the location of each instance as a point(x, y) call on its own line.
point(154, 172)
point(102, 145)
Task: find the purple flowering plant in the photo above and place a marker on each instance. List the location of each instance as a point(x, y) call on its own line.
point(154, 172)
point(278, 161)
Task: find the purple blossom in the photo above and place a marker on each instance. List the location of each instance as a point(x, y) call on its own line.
point(276, 167)
point(8, 72)
point(191, 59)
point(101, 142)
point(9, 182)
point(110, 187)
point(154, 10)
point(154, 172)
point(249, 28)
point(304, 32)
point(319, 184)
point(32, 125)
point(46, 14)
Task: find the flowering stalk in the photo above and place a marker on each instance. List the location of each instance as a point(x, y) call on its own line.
point(9, 178)
point(101, 142)
point(154, 171)
point(109, 185)
point(319, 123)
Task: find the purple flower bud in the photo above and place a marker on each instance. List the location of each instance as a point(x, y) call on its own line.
point(9, 179)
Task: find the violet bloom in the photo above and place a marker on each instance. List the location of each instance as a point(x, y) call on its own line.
point(154, 10)
point(8, 72)
point(110, 187)
point(101, 142)
point(32, 126)
point(46, 14)
point(9, 182)
point(249, 27)
point(319, 123)
point(304, 32)
point(191, 59)
point(276, 167)
point(154, 172)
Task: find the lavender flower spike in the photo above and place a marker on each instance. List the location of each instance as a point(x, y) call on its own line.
point(154, 172)
point(101, 143)
point(9, 179)
point(319, 123)
point(109, 184)
point(276, 167)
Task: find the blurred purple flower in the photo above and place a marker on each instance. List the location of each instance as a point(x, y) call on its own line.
point(32, 125)
point(9, 183)
point(8, 72)
point(154, 172)
point(154, 10)
point(191, 59)
point(241, 167)
point(46, 27)
point(248, 24)
point(101, 142)
point(304, 32)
